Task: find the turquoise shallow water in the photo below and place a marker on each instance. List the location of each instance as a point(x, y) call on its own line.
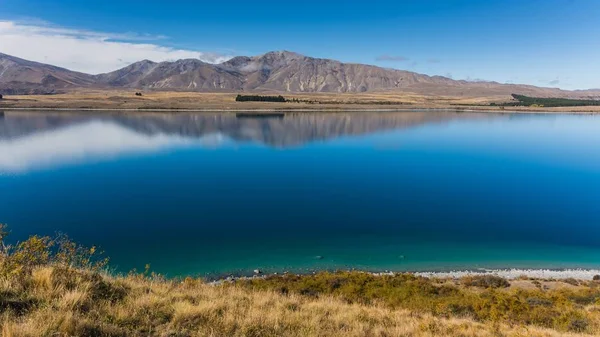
point(217, 194)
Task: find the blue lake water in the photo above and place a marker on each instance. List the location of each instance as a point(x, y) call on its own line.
point(219, 193)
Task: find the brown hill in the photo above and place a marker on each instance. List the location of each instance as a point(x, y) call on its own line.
point(22, 76)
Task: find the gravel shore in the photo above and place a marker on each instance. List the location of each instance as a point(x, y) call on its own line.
point(580, 274)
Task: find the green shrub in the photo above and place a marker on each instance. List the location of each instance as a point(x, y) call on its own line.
point(485, 281)
point(44, 250)
point(571, 281)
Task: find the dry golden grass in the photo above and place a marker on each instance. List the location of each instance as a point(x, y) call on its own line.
point(161, 100)
point(55, 301)
point(207, 101)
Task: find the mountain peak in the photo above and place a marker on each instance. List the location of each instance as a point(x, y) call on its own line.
point(146, 61)
point(282, 54)
point(285, 53)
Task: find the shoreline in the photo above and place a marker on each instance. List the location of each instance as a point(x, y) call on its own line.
point(508, 274)
point(515, 273)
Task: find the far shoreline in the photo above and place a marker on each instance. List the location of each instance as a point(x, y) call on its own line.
point(524, 111)
point(221, 102)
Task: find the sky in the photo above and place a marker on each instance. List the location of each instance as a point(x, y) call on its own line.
point(551, 43)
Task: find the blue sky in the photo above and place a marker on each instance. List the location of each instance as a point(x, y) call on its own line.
point(540, 42)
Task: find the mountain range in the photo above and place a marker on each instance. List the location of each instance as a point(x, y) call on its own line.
point(279, 71)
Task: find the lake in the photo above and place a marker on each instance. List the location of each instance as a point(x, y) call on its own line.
point(213, 194)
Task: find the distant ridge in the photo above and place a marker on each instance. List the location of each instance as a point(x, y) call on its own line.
point(22, 76)
point(280, 71)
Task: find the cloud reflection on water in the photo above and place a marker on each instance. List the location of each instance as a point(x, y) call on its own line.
point(45, 140)
point(86, 142)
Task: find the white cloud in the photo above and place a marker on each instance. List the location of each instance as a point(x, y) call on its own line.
point(90, 141)
point(88, 51)
point(253, 66)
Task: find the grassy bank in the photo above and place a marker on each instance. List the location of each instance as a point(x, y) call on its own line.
point(53, 287)
point(123, 100)
point(567, 306)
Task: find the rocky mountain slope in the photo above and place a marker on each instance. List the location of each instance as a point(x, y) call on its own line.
point(274, 71)
point(186, 74)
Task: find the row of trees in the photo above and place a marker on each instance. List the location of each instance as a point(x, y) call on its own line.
point(523, 100)
point(258, 98)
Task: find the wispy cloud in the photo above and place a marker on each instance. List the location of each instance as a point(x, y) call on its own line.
point(553, 82)
point(392, 58)
point(434, 61)
point(89, 51)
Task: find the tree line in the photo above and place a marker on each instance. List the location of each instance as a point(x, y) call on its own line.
point(258, 98)
point(522, 100)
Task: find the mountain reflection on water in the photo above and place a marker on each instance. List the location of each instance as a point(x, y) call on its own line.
point(30, 140)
